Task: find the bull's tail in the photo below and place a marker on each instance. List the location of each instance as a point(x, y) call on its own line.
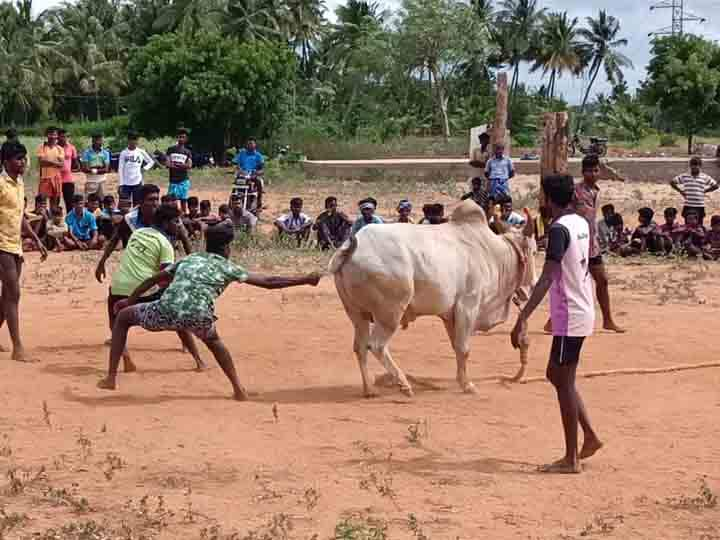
point(342, 255)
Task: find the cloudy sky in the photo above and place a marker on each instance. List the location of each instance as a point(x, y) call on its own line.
point(636, 18)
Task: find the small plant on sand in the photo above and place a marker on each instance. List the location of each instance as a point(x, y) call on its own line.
point(69, 498)
point(215, 532)
point(6, 450)
point(85, 530)
point(311, 497)
point(602, 525)
point(46, 414)
point(85, 445)
point(189, 515)
point(278, 528)
point(19, 480)
point(705, 498)
point(414, 526)
point(112, 463)
point(361, 529)
point(417, 431)
point(10, 521)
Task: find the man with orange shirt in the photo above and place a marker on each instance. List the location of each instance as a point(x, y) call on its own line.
point(52, 160)
point(70, 164)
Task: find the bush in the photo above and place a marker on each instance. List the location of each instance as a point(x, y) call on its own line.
point(116, 126)
point(668, 139)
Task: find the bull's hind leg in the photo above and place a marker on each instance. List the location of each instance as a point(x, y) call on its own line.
point(360, 346)
point(381, 334)
point(459, 328)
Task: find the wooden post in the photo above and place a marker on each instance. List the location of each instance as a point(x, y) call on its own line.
point(554, 153)
point(501, 102)
point(561, 143)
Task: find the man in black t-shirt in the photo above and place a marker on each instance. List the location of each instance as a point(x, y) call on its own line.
point(179, 163)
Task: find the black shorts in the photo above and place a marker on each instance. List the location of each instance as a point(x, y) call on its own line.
point(699, 210)
point(565, 350)
point(596, 261)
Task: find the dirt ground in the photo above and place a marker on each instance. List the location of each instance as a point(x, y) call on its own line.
point(169, 455)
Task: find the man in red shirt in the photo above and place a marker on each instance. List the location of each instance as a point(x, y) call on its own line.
point(71, 164)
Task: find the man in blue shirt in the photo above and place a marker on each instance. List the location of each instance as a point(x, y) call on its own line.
point(499, 170)
point(82, 227)
point(250, 162)
point(367, 215)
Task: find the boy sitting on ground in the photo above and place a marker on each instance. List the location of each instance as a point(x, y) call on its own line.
point(611, 230)
point(294, 224)
point(644, 237)
point(367, 215)
point(82, 227)
point(434, 214)
point(332, 226)
point(479, 194)
point(404, 209)
point(57, 232)
point(712, 240)
point(670, 232)
point(692, 241)
point(508, 216)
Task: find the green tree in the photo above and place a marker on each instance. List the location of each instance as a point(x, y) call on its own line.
point(304, 22)
point(217, 86)
point(684, 82)
point(559, 49)
point(602, 44)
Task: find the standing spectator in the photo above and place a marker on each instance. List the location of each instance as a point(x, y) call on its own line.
point(131, 165)
point(12, 224)
point(82, 227)
point(295, 224)
point(95, 164)
point(479, 194)
point(499, 170)
point(11, 138)
point(404, 209)
point(332, 227)
point(179, 163)
point(367, 215)
point(52, 160)
point(71, 164)
point(693, 187)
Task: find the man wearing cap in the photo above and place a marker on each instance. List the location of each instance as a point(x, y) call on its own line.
point(367, 215)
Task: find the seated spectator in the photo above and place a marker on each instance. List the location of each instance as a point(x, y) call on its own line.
point(294, 224)
point(332, 227)
point(57, 233)
point(193, 204)
point(225, 215)
point(105, 217)
point(670, 232)
point(190, 220)
point(611, 230)
point(712, 240)
point(479, 194)
point(404, 209)
point(692, 241)
point(170, 200)
point(82, 227)
point(434, 214)
point(367, 215)
point(645, 237)
point(26, 237)
point(242, 219)
point(205, 210)
point(508, 216)
point(40, 216)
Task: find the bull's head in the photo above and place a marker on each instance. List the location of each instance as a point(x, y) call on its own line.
point(524, 239)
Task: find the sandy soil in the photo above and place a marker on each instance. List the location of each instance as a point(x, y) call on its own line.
point(169, 454)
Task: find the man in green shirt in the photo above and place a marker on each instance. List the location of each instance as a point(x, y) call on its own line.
point(148, 251)
point(188, 303)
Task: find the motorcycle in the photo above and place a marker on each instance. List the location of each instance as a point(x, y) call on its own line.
point(597, 146)
point(246, 188)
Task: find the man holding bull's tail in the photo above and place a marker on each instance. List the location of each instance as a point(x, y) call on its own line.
point(566, 275)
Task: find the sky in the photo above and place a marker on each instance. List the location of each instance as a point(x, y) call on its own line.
point(636, 20)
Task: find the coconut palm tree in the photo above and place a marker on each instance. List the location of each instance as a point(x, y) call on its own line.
point(559, 49)
point(517, 32)
point(602, 44)
point(304, 22)
point(254, 19)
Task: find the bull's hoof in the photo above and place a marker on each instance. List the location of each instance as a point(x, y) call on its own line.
point(370, 393)
point(407, 390)
point(385, 380)
point(470, 388)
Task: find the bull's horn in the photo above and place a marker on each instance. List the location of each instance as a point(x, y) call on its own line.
point(529, 228)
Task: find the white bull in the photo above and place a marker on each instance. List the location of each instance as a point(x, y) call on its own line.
point(461, 271)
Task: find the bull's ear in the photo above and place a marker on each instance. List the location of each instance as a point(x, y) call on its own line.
point(529, 228)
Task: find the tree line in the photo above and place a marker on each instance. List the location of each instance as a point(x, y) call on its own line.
point(231, 67)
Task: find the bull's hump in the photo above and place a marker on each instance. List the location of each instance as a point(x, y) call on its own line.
point(468, 212)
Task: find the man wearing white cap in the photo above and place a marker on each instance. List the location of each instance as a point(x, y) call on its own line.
point(367, 217)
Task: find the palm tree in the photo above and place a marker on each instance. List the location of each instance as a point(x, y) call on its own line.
point(559, 49)
point(601, 45)
point(254, 19)
point(517, 32)
point(304, 21)
point(190, 16)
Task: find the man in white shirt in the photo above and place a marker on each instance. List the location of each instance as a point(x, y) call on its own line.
point(295, 224)
point(694, 187)
point(133, 162)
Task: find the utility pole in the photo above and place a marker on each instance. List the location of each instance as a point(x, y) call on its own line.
point(679, 18)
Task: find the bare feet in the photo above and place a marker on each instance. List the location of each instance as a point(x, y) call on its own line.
point(107, 384)
point(108, 342)
point(3, 349)
point(201, 366)
point(19, 356)
point(561, 466)
point(612, 327)
point(548, 327)
point(128, 365)
point(241, 395)
point(590, 448)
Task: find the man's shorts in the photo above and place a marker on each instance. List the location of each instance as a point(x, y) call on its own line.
point(565, 350)
point(51, 187)
point(96, 188)
point(699, 210)
point(149, 317)
point(131, 192)
point(115, 298)
point(499, 189)
point(596, 261)
point(180, 190)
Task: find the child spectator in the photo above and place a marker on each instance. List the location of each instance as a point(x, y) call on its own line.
point(332, 227)
point(693, 237)
point(205, 209)
point(193, 204)
point(434, 214)
point(27, 237)
point(367, 215)
point(82, 227)
point(611, 230)
point(404, 209)
point(693, 187)
point(670, 231)
point(479, 194)
point(95, 164)
point(294, 224)
point(132, 163)
point(40, 216)
point(499, 170)
point(57, 232)
point(93, 205)
point(105, 219)
point(712, 240)
point(645, 237)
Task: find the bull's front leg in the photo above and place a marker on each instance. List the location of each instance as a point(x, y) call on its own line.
point(459, 328)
